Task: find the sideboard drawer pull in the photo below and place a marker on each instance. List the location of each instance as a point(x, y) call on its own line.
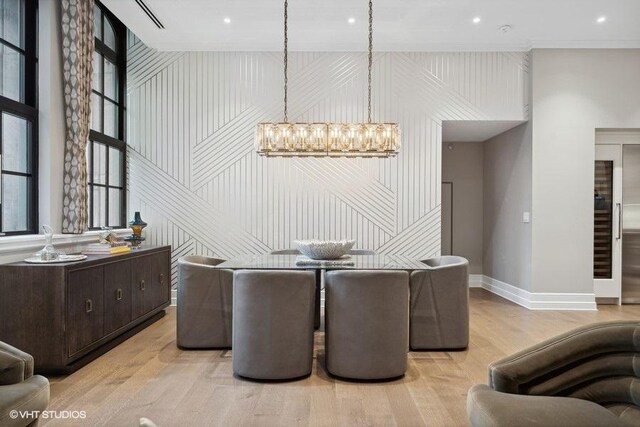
point(118, 294)
point(161, 279)
point(142, 285)
point(89, 306)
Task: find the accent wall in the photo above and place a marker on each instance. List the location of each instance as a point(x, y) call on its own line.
point(195, 176)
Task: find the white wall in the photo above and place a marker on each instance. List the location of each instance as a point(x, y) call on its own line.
point(462, 165)
point(51, 121)
point(194, 174)
point(507, 195)
point(574, 93)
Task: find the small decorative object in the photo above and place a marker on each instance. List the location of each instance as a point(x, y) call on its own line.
point(48, 253)
point(107, 248)
point(108, 236)
point(303, 260)
point(324, 249)
point(60, 258)
point(137, 225)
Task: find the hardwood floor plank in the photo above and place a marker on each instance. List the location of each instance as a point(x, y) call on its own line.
point(148, 376)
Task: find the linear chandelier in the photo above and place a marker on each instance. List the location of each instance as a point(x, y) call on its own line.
point(287, 139)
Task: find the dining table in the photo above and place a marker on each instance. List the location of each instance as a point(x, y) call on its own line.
point(300, 262)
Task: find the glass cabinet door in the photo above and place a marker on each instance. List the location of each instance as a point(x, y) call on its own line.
point(603, 220)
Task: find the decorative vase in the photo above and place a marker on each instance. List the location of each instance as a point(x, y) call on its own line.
point(137, 225)
point(48, 253)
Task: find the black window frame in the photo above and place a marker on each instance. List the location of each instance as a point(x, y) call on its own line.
point(119, 58)
point(27, 110)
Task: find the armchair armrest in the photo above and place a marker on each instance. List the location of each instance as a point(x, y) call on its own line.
point(27, 397)
point(15, 365)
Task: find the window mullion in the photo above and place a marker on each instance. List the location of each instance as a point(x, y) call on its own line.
point(106, 181)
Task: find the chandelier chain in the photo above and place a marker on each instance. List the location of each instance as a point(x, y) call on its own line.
point(286, 74)
point(370, 57)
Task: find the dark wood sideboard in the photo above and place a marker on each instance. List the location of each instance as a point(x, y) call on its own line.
point(67, 314)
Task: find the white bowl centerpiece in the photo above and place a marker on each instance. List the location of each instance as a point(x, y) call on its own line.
point(324, 249)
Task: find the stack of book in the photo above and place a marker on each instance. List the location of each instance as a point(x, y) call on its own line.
point(107, 248)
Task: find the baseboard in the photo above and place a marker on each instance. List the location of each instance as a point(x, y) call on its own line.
point(475, 280)
point(174, 296)
point(539, 300)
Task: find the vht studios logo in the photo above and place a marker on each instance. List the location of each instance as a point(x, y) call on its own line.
point(32, 415)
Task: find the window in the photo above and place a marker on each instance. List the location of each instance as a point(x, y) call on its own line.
point(106, 150)
point(18, 117)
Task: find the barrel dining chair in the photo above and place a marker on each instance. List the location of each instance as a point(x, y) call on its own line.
point(366, 323)
point(204, 300)
point(273, 323)
point(439, 310)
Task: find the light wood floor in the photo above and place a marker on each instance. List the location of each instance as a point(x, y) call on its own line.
point(148, 376)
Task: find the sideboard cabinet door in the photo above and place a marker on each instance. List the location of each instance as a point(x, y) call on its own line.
point(162, 280)
point(117, 295)
point(85, 308)
point(141, 285)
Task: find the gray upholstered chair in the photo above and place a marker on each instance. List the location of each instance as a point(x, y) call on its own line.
point(205, 301)
point(585, 377)
point(440, 305)
point(20, 390)
point(273, 323)
point(316, 316)
point(366, 323)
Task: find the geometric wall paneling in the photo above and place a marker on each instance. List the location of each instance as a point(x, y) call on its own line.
point(195, 176)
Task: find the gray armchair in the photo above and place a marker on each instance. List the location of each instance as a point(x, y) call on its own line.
point(20, 390)
point(586, 377)
point(273, 324)
point(439, 316)
point(316, 316)
point(366, 323)
point(205, 301)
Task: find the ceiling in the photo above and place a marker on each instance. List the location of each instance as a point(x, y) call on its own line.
point(475, 131)
point(399, 25)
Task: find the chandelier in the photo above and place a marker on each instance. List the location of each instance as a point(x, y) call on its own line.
point(287, 139)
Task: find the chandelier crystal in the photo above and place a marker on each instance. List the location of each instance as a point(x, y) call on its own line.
point(286, 139)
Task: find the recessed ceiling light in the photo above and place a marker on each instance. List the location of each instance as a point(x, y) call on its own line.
point(351, 20)
point(476, 20)
point(227, 20)
point(601, 19)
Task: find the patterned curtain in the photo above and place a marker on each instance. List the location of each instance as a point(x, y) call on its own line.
point(77, 57)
